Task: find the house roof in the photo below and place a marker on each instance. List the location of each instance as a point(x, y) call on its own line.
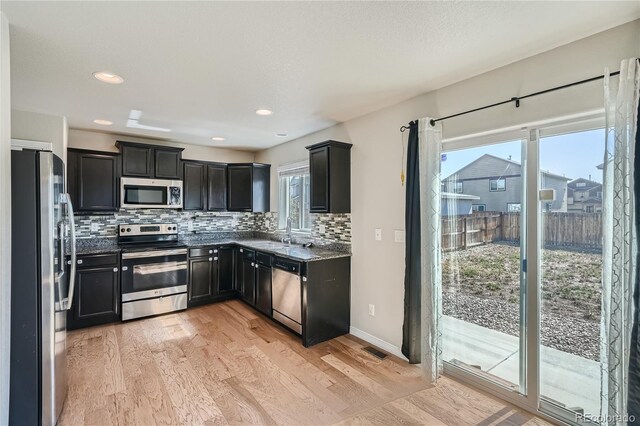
point(589, 184)
point(515, 163)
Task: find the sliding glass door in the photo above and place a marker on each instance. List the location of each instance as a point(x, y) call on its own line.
point(522, 265)
point(482, 277)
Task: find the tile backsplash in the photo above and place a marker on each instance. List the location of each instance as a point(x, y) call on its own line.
point(326, 229)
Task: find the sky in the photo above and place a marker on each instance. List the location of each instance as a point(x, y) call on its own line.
point(572, 155)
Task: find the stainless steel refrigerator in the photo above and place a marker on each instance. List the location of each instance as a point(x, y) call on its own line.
point(41, 284)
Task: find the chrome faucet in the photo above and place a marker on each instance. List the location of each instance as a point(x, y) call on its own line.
point(288, 239)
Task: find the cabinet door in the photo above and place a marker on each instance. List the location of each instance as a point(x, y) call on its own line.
point(225, 269)
point(194, 186)
point(319, 179)
point(240, 184)
point(137, 161)
point(200, 279)
point(216, 187)
point(167, 164)
point(248, 281)
point(263, 289)
point(97, 182)
point(97, 297)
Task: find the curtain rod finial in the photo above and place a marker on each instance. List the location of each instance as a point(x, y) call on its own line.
point(432, 122)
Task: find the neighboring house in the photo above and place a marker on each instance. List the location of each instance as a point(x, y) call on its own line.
point(584, 195)
point(498, 184)
point(456, 204)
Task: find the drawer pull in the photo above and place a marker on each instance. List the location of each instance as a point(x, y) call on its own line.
point(210, 251)
point(210, 259)
point(125, 268)
point(115, 269)
point(215, 258)
point(79, 261)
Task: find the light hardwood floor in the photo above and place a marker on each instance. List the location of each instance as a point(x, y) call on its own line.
point(224, 363)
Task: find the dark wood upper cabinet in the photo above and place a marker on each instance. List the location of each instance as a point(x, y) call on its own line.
point(168, 163)
point(93, 180)
point(330, 177)
point(150, 161)
point(194, 184)
point(248, 187)
point(216, 187)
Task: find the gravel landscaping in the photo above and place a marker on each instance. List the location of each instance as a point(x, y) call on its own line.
point(481, 286)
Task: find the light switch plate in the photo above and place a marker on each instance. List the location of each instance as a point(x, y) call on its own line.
point(372, 310)
point(95, 227)
point(322, 229)
point(399, 236)
point(378, 234)
point(190, 225)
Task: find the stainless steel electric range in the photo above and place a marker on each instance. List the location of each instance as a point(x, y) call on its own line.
point(154, 270)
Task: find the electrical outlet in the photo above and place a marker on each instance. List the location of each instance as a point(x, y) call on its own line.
point(372, 310)
point(378, 234)
point(399, 236)
point(322, 229)
point(190, 225)
point(95, 227)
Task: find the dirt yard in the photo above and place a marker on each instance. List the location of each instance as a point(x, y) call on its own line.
point(487, 278)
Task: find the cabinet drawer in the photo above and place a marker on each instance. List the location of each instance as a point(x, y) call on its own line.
point(95, 260)
point(203, 251)
point(247, 254)
point(263, 258)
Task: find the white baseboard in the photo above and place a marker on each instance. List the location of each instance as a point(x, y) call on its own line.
point(385, 346)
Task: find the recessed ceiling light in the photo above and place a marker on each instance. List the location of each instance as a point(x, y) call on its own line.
point(217, 139)
point(281, 135)
point(264, 112)
point(103, 122)
point(108, 77)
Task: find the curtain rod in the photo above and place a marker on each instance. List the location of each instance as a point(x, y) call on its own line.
point(517, 99)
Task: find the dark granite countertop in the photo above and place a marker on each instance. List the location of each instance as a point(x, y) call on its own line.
point(294, 252)
point(96, 246)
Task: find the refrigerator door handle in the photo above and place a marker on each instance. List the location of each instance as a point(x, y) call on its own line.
point(62, 264)
point(68, 301)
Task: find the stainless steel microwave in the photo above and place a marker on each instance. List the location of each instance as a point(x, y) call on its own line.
point(136, 193)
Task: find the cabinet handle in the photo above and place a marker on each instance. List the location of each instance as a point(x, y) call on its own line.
point(252, 264)
point(256, 266)
point(215, 258)
point(79, 261)
point(241, 251)
point(210, 251)
point(125, 268)
point(68, 262)
point(304, 279)
point(210, 259)
point(115, 269)
point(215, 251)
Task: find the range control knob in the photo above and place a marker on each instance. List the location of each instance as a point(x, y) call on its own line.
point(128, 229)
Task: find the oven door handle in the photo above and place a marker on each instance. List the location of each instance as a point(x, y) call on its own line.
point(154, 253)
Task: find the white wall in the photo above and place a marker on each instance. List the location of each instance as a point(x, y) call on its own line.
point(5, 219)
point(377, 195)
point(35, 126)
point(100, 141)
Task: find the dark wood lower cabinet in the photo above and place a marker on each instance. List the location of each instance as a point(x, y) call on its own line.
point(263, 289)
point(248, 288)
point(225, 270)
point(201, 276)
point(96, 298)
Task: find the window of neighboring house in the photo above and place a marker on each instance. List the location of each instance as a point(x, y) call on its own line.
point(478, 207)
point(497, 185)
point(458, 187)
point(590, 209)
point(293, 196)
point(599, 194)
point(581, 184)
point(513, 207)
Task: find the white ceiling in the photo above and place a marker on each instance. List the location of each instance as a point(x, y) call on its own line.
point(203, 68)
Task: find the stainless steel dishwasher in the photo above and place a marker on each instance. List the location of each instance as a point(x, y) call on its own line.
point(287, 293)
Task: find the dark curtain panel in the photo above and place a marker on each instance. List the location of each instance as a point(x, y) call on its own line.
point(411, 326)
point(634, 358)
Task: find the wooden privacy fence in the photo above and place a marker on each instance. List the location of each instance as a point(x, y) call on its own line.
point(570, 230)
